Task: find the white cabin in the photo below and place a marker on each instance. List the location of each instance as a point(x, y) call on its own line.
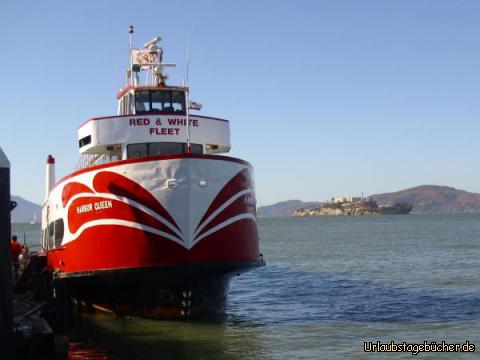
point(152, 119)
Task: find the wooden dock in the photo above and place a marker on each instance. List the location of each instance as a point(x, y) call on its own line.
point(24, 331)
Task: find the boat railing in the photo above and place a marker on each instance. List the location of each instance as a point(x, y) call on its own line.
point(89, 160)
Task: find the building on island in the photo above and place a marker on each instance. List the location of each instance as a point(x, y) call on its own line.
point(340, 200)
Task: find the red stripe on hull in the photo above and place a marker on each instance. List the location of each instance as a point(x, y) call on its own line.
point(73, 188)
point(236, 208)
point(235, 242)
point(118, 211)
point(239, 182)
point(110, 182)
point(118, 247)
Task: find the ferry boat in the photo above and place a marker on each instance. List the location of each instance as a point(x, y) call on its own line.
point(154, 221)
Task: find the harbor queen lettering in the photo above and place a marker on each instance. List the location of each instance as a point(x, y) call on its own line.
point(99, 205)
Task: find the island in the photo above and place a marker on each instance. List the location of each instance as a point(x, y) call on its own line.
point(354, 207)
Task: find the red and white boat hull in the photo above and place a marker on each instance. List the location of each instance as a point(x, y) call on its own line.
point(159, 224)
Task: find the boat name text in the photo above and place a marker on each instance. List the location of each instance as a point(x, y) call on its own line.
point(99, 205)
point(172, 125)
point(250, 200)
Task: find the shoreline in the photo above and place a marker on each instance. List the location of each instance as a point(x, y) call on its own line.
point(360, 208)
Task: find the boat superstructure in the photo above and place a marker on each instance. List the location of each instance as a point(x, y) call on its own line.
point(154, 221)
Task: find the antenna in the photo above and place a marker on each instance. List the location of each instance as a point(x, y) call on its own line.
point(115, 65)
point(187, 101)
point(188, 54)
point(188, 120)
point(131, 30)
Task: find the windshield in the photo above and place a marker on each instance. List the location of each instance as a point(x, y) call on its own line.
point(161, 148)
point(160, 101)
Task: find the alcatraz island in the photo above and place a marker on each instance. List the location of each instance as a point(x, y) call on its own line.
point(354, 206)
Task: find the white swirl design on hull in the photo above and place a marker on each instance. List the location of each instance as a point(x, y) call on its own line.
point(225, 224)
point(132, 203)
point(221, 208)
point(126, 223)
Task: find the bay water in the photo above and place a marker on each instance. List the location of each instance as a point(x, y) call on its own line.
point(331, 285)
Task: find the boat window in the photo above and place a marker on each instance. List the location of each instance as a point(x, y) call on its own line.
point(122, 106)
point(137, 151)
point(155, 149)
point(45, 238)
point(85, 141)
point(160, 102)
point(125, 105)
point(161, 148)
point(50, 235)
point(178, 102)
point(115, 153)
point(195, 149)
point(142, 102)
point(59, 230)
point(131, 104)
point(44, 232)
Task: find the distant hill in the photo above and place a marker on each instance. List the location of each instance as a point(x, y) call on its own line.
point(25, 210)
point(433, 199)
point(426, 199)
point(285, 208)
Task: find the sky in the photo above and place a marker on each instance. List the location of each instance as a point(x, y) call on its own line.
point(325, 98)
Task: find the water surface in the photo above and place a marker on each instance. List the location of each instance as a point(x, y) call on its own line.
point(330, 285)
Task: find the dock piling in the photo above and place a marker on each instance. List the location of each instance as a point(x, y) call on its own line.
point(6, 302)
